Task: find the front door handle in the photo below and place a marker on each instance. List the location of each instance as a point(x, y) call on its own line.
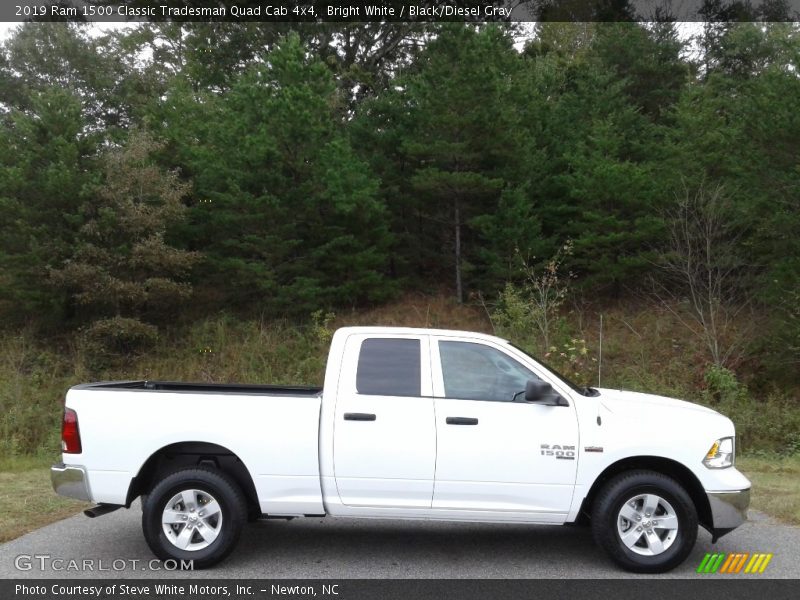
point(461, 421)
point(359, 417)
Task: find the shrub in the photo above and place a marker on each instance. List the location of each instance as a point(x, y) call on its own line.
point(574, 360)
point(723, 386)
point(771, 423)
point(32, 385)
point(533, 307)
point(108, 341)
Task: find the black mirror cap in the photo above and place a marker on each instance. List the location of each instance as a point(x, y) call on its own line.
point(536, 390)
point(542, 392)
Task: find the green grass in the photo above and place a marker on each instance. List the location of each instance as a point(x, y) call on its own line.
point(776, 485)
point(19, 464)
point(27, 498)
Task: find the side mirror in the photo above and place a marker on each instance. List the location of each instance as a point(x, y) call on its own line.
point(542, 392)
point(536, 390)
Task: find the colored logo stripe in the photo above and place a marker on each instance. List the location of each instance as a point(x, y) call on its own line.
point(711, 563)
point(720, 562)
point(734, 563)
point(765, 563)
point(741, 561)
point(703, 563)
point(727, 564)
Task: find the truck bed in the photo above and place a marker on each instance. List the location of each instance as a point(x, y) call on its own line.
point(203, 388)
point(273, 430)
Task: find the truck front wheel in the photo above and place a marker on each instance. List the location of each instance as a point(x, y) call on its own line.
point(645, 521)
point(193, 515)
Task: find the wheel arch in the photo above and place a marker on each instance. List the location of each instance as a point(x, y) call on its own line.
point(180, 455)
point(659, 464)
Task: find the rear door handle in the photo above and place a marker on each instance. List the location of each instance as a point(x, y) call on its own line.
point(461, 421)
point(359, 417)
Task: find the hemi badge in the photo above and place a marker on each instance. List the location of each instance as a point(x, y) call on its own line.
point(593, 449)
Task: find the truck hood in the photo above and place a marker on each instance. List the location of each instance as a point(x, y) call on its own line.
point(620, 401)
point(647, 423)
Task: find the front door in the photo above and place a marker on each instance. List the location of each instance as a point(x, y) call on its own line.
point(497, 453)
point(384, 440)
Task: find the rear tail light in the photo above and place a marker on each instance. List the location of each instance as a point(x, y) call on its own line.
point(70, 434)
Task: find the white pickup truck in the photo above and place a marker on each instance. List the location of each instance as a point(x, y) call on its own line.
point(412, 423)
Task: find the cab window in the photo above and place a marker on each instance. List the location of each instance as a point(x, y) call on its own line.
point(389, 367)
point(474, 371)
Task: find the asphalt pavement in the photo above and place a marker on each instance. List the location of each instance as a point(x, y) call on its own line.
point(364, 548)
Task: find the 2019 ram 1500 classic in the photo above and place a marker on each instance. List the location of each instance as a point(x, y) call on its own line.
point(411, 423)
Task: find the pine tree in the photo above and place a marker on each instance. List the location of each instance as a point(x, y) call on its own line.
point(285, 212)
point(462, 143)
point(46, 163)
point(122, 274)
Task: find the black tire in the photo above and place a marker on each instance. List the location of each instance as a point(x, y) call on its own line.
point(606, 515)
point(224, 490)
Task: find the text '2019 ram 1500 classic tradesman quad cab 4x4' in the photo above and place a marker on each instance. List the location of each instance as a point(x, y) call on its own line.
point(411, 423)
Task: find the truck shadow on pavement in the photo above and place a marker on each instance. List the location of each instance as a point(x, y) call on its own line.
point(356, 548)
point(373, 548)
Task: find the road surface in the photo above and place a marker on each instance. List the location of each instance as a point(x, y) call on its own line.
point(350, 548)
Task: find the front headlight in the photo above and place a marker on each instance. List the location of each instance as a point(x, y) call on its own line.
point(721, 454)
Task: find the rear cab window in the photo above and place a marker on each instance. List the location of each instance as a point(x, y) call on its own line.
point(389, 367)
point(386, 365)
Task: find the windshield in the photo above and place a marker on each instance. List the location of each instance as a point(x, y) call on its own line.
point(584, 391)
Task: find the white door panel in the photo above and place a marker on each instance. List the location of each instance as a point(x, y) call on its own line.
point(497, 464)
point(389, 461)
point(384, 445)
point(490, 455)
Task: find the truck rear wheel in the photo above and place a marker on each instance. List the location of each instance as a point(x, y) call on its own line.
point(645, 521)
point(194, 515)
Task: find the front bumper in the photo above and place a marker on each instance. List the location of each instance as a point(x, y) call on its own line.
point(728, 510)
point(70, 481)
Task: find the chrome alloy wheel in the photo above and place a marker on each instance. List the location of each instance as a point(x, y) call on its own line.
point(192, 520)
point(647, 524)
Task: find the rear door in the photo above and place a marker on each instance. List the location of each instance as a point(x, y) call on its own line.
point(384, 440)
point(496, 454)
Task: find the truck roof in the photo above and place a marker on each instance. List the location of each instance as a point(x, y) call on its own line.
point(421, 331)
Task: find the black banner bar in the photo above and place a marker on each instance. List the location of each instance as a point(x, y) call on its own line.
point(741, 588)
point(398, 10)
